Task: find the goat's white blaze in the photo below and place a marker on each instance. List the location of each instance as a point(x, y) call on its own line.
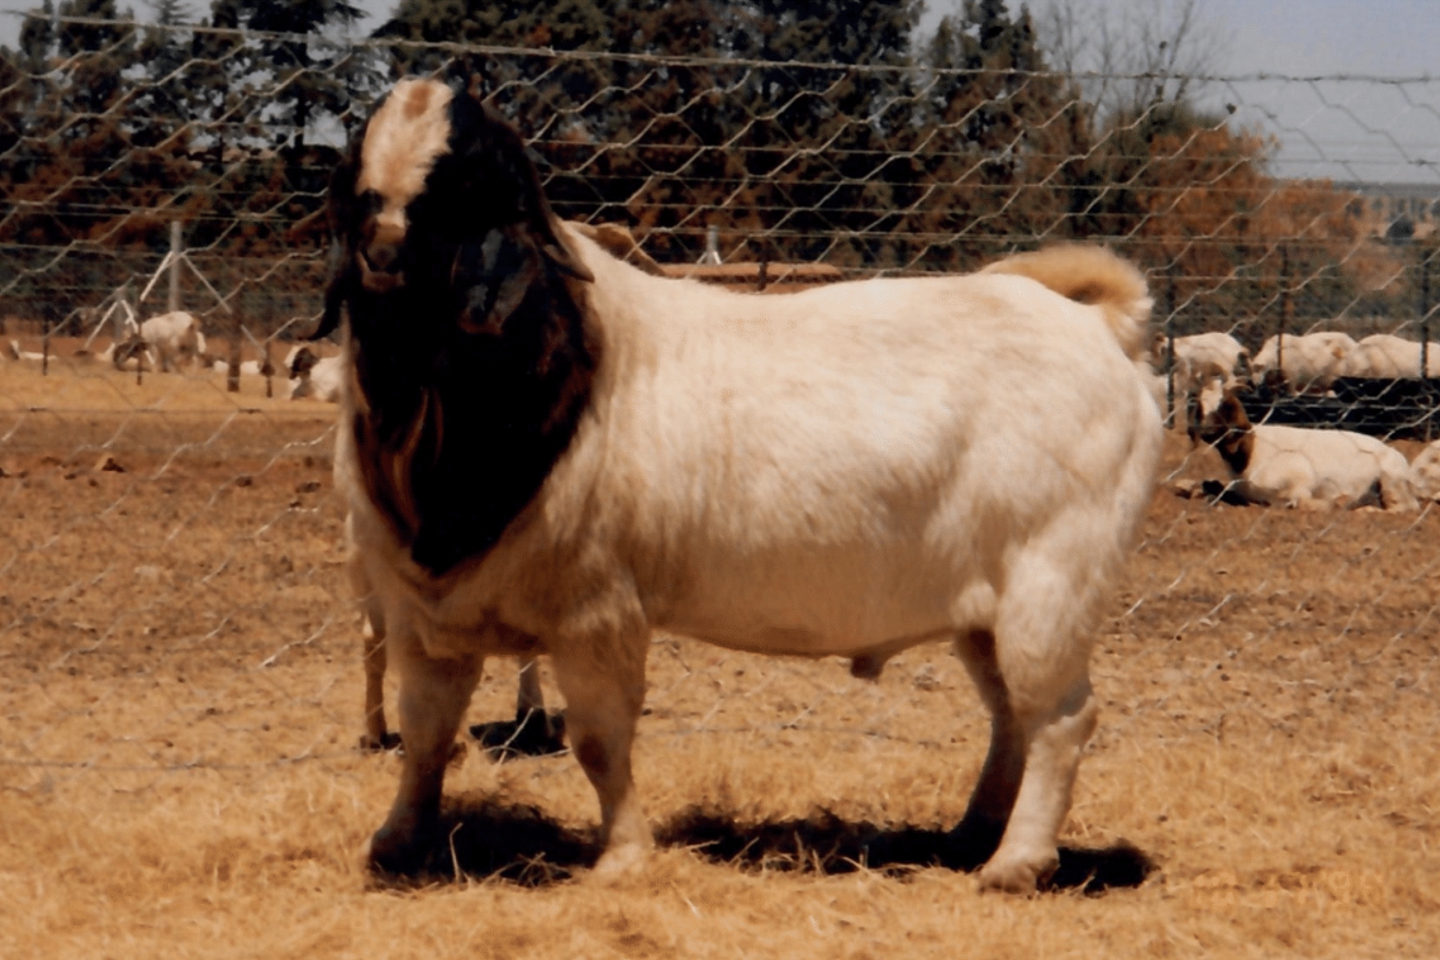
point(409, 131)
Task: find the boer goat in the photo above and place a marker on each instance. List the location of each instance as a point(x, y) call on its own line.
point(14, 352)
point(545, 449)
point(1201, 357)
point(1299, 467)
point(1388, 357)
point(175, 338)
point(1308, 363)
point(313, 377)
point(1425, 471)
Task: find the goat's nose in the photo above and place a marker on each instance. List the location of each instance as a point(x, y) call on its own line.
point(382, 256)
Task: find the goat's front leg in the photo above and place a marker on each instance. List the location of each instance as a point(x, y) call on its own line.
point(434, 694)
point(603, 681)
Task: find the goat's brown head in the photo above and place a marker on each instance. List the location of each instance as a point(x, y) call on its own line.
point(473, 361)
point(302, 362)
point(1217, 417)
point(133, 347)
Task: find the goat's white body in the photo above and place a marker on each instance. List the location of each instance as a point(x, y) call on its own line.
point(1202, 357)
point(1389, 357)
point(29, 356)
point(1295, 466)
point(248, 368)
point(173, 338)
point(1425, 471)
point(322, 382)
point(1311, 361)
point(848, 471)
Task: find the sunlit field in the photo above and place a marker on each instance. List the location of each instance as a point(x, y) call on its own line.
point(181, 695)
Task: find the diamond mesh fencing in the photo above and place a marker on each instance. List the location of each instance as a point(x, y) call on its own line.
point(173, 599)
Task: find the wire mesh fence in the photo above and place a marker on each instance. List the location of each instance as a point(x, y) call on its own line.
point(172, 589)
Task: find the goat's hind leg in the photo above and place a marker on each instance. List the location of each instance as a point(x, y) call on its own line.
point(979, 832)
point(534, 732)
point(434, 694)
point(1040, 655)
point(372, 639)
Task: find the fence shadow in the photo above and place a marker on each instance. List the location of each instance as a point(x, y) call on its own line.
point(485, 838)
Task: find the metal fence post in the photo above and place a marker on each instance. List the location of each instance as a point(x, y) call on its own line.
point(1424, 266)
point(172, 303)
point(1170, 349)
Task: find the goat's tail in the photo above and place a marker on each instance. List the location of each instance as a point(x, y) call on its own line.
point(1093, 275)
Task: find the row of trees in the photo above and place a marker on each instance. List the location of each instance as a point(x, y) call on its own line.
point(803, 129)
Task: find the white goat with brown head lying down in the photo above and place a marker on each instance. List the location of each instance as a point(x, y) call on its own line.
point(313, 377)
point(547, 450)
point(1300, 467)
point(14, 352)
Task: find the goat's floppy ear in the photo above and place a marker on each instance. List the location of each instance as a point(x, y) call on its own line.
point(561, 256)
point(340, 212)
point(334, 294)
point(495, 274)
point(505, 149)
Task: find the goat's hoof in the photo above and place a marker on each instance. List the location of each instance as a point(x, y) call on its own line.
point(397, 853)
point(1017, 876)
point(621, 861)
point(388, 740)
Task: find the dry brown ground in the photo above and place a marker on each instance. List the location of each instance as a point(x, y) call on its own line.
point(180, 693)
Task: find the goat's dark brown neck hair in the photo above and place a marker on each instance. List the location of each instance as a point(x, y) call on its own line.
point(1232, 435)
point(477, 368)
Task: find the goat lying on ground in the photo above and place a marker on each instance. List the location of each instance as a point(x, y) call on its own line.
point(1298, 467)
point(130, 354)
point(314, 377)
point(547, 450)
point(15, 353)
point(1388, 357)
point(1308, 363)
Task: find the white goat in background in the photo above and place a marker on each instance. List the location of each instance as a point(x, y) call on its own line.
point(174, 339)
point(1386, 356)
point(313, 377)
point(1309, 362)
point(1300, 467)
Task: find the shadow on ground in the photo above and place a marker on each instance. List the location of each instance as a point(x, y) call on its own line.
point(486, 838)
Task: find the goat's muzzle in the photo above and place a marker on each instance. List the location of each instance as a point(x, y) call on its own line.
point(378, 279)
point(379, 258)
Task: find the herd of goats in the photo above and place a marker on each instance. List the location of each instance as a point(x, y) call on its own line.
point(173, 342)
point(1308, 467)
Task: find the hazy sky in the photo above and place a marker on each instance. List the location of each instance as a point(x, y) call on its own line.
point(1368, 130)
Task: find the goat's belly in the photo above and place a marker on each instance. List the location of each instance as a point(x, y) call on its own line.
point(814, 612)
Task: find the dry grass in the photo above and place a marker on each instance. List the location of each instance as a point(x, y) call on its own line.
point(180, 695)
